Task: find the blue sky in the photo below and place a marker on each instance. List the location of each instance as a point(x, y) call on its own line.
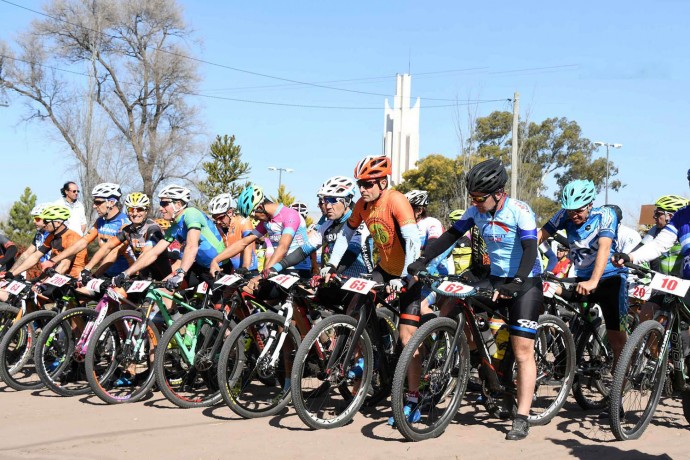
point(617, 68)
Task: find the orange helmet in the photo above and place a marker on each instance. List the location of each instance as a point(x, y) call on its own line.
point(372, 167)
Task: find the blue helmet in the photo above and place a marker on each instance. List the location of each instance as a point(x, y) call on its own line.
point(250, 198)
point(577, 194)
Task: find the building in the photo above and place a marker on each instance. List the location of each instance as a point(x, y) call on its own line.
point(401, 130)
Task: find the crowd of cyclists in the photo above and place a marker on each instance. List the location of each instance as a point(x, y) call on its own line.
point(388, 237)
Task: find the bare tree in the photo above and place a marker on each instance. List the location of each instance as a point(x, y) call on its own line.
point(134, 53)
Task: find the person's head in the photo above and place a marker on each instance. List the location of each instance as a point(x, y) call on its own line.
point(252, 203)
point(577, 198)
point(54, 217)
point(222, 208)
point(372, 174)
point(337, 194)
point(561, 251)
point(106, 198)
point(36, 214)
point(456, 215)
point(70, 191)
point(419, 199)
point(137, 206)
point(617, 211)
point(173, 200)
point(301, 208)
point(486, 183)
point(665, 207)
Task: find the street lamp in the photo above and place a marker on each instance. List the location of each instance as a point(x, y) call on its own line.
point(280, 174)
point(614, 146)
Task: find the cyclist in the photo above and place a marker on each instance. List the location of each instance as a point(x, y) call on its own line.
point(429, 228)
point(41, 232)
point(303, 211)
point(232, 228)
point(301, 208)
point(627, 239)
point(509, 228)
point(140, 236)
point(106, 202)
point(191, 227)
point(8, 253)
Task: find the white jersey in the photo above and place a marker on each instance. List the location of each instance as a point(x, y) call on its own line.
point(627, 239)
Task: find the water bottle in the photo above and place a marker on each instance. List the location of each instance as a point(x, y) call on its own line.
point(502, 335)
point(487, 334)
point(189, 334)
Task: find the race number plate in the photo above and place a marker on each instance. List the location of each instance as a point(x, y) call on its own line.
point(359, 285)
point(228, 280)
point(453, 287)
point(3, 283)
point(57, 280)
point(139, 286)
point(94, 284)
point(285, 281)
point(670, 284)
point(639, 291)
point(549, 288)
point(202, 288)
point(15, 287)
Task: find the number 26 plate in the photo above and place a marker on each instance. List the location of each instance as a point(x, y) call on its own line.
point(359, 285)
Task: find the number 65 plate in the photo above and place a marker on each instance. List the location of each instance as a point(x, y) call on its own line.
point(358, 285)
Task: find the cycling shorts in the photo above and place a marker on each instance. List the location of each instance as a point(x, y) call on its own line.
point(524, 310)
point(611, 295)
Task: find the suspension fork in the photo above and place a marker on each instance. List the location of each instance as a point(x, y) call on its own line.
point(361, 324)
point(287, 311)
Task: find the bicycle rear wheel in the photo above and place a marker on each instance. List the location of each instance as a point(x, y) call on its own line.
point(326, 391)
point(8, 313)
point(594, 358)
point(638, 381)
point(440, 393)
point(119, 359)
point(253, 365)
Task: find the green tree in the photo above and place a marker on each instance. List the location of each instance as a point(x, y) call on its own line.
point(19, 227)
point(284, 197)
point(224, 170)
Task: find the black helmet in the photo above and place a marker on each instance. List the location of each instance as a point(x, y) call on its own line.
point(617, 210)
point(488, 176)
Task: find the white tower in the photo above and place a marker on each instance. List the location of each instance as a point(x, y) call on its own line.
point(401, 130)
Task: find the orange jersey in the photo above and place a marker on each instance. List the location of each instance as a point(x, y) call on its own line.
point(238, 228)
point(383, 218)
point(55, 243)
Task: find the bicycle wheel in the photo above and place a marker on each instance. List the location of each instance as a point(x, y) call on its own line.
point(594, 358)
point(326, 391)
point(17, 367)
point(59, 366)
point(185, 366)
point(254, 364)
point(638, 381)
point(119, 358)
point(8, 313)
point(440, 393)
point(554, 353)
point(382, 378)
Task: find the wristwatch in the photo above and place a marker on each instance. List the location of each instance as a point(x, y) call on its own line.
point(180, 271)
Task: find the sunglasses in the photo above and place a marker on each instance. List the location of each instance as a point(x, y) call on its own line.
point(73, 191)
point(659, 213)
point(331, 200)
point(219, 216)
point(98, 202)
point(133, 210)
point(164, 204)
point(577, 211)
point(480, 199)
point(37, 219)
point(366, 184)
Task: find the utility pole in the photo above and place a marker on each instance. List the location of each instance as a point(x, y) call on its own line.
point(514, 150)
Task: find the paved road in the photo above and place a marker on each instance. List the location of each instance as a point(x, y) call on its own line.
point(40, 425)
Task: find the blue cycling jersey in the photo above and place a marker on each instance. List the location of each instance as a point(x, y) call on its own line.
point(584, 239)
point(503, 233)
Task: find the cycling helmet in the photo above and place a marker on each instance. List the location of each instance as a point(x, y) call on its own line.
point(107, 190)
point(338, 186)
point(137, 200)
point(617, 210)
point(38, 209)
point(54, 212)
point(373, 167)
point(300, 208)
point(671, 203)
point(455, 216)
point(249, 199)
point(221, 204)
point(176, 192)
point(488, 177)
point(163, 224)
point(418, 197)
point(577, 194)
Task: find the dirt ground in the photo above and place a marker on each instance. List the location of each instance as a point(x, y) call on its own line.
point(40, 425)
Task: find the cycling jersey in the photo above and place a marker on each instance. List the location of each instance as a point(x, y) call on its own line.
point(670, 262)
point(105, 229)
point(286, 221)
point(39, 238)
point(210, 241)
point(146, 236)
point(430, 228)
point(584, 239)
point(677, 230)
point(503, 233)
point(627, 239)
point(57, 242)
point(238, 228)
point(7, 260)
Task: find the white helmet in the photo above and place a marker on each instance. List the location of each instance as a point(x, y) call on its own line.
point(338, 186)
point(176, 192)
point(38, 209)
point(221, 204)
point(300, 208)
point(418, 197)
point(107, 190)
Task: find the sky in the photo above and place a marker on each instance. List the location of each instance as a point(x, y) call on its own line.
point(619, 69)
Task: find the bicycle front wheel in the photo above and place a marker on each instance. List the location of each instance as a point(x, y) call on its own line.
point(638, 381)
point(327, 392)
point(594, 358)
point(8, 313)
point(440, 392)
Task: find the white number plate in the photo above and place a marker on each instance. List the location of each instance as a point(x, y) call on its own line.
point(285, 280)
point(202, 288)
point(639, 291)
point(453, 287)
point(94, 284)
point(670, 284)
point(549, 288)
point(139, 286)
point(57, 280)
point(15, 287)
point(358, 285)
point(228, 280)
